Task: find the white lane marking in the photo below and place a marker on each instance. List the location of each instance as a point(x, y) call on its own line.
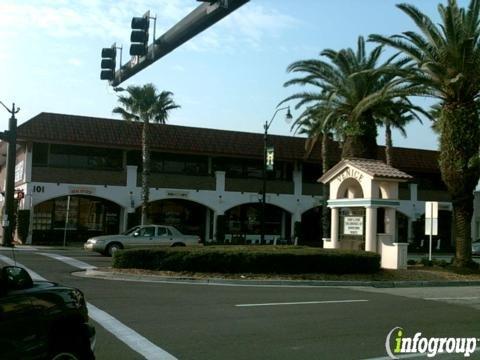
point(128, 336)
point(301, 303)
point(19, 248)
point(32, 273)
point(70, 261)
point(454, 298)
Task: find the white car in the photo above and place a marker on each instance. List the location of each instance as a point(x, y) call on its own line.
point(141, 236)
point(476, 248)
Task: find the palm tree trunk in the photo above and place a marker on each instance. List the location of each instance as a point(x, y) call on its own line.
point(326, 187)
point(462, 217)
point(361, 140)
point(388, 143)
point(145, 170)
point(459, 143)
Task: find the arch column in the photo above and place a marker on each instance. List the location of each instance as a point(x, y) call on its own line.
point(390, 223)
point(296, 217)
point(216, 214)
point(370, 229)
point(334, 228)
point(207, 225)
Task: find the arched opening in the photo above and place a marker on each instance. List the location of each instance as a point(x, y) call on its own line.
point(311, 228)
point(187, 216)
point(243, 224)
point(87, 216)
point(350, 189)
point(402, 227)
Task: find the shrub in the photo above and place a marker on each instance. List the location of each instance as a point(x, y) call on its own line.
point(426, 262)
point(434, 262)
point(249, 259)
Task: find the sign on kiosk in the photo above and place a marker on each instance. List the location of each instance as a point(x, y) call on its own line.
point(431, 223)
point(353, 225)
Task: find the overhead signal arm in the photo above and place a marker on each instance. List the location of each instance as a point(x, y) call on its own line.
point(201, 18)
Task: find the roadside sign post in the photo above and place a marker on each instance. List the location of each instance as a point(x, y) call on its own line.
point(431, 223)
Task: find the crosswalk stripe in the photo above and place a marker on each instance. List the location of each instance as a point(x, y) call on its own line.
point(70, 261)
point(128, 336)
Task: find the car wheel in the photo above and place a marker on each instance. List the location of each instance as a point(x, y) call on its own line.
point(66, 355)
point(73, 347)
point(112, 248)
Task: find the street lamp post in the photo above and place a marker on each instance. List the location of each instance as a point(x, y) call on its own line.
point(266, 126)
point(11, 137)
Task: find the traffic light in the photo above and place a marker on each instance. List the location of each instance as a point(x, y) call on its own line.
point(18, 195)
point(109, 56)
point(139, 36)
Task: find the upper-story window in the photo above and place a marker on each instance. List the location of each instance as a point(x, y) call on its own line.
point(311, 172)
point(72, 156)
point(252, 169)
point(171, 163)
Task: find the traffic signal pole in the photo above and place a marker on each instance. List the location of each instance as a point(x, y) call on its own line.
point(11, 137)
point(202, 17)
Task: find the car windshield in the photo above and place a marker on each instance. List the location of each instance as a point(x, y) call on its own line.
point(131, 231)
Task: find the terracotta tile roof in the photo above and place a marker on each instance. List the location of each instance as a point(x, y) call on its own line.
point(378, 168)
point(101, 132)
point(73, 129)
point(374, 168)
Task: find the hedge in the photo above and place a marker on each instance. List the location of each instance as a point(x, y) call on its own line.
point(249, 259)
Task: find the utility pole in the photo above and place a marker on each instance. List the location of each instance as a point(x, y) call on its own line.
point(288, 117)
point(10, 136)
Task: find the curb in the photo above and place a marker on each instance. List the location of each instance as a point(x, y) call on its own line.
point(107, 275)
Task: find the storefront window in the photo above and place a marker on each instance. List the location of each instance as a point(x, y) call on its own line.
point(42, 219)
point(87, 216)
point(246, 219)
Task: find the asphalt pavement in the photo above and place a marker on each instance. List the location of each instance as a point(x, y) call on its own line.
point(199, 321)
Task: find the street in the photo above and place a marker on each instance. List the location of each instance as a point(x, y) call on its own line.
point(193, 321)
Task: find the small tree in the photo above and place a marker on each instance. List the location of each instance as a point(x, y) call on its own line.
point(145, 104)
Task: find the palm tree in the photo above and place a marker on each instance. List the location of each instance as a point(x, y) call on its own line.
point(356, 88)
point(144, 103)
point(314, 122)
point(397, 117)
point(447, 59)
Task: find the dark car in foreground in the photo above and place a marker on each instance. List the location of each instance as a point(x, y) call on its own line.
point(42, 320)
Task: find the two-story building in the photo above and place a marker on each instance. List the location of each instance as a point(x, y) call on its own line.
point(82, 176)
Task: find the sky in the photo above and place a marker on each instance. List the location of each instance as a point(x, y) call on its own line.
point(229, 77)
